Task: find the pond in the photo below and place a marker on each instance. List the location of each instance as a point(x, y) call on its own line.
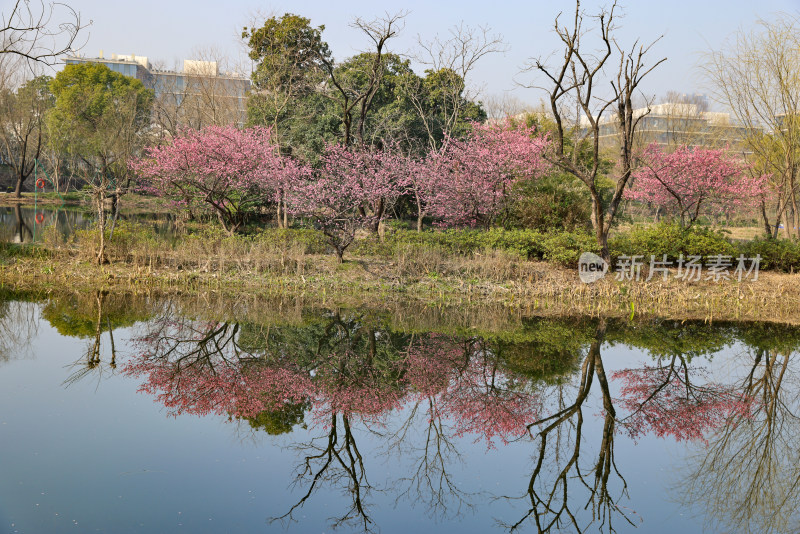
point(125, 413)
point(26, 224)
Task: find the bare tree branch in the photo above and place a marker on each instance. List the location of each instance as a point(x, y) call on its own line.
point(40, 31)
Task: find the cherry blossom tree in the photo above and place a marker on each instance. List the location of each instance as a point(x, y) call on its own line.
point(353, 188)
point(692, 180)
point(673, 399)
point(470, 180)
point(231, 172)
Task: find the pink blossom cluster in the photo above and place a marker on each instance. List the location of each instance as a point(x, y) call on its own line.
point(469, 390)
point(691, 181)
point(225, 169)
point(458, 383)
point(234, 172)
point(471, 180)
point(353, 186)
point(660, 401)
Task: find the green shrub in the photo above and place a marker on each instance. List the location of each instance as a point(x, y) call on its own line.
point(566, 247)
point(672, 240)
point(524, 243)
point(556, 246)
point(557, 201)
point(312, 241)
point(776, 254)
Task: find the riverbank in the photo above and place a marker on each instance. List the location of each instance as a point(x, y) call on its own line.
point(486, 281)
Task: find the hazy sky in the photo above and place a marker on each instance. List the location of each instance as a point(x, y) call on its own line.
point(169, 30)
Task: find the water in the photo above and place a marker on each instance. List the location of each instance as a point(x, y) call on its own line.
point(26, 224)
point(141, 414)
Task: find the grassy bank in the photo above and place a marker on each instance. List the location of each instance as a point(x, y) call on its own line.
point(434, 269)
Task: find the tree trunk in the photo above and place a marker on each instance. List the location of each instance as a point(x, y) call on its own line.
point(101, 226)
point(115, 212)
point(600, 231)
point(21, 226)
point(795, 213)
point(18, 187)
point(380, 209)
point(765, 219)
point(381, 231)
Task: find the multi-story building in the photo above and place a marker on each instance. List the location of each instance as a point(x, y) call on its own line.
point(197, 96)
point(677, 123)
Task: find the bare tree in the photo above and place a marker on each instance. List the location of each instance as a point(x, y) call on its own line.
point(745, 479)
point(574, 83)
point(499, 107)
point(215, 91)
point(757, 74)
point(19, 327)
point(335, 459)
point(681, 118)
point(452, 58)
point(550, 508)
point(39, 31)
point(355, 102)
point(208, 92)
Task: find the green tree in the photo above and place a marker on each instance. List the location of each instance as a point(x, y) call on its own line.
point(290, 58)
point(391, 119)
point(280, 421)
point(100, 118)
point(22, 130)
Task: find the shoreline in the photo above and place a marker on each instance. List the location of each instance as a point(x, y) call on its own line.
point(539, 288)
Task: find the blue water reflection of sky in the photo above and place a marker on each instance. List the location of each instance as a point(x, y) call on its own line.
point(96, 456)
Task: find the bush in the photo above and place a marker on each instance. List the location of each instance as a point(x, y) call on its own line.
point(527, 244)
point(310, 240)
point(776, 254)
point(672, 240)
point(556, 246)
point(566, 247)
point(556, 202)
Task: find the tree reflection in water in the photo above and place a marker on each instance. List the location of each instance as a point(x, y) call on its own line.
point(89, 317)
point(342, 370)
point(550, 499)
point(19, 326)
point(747, 479)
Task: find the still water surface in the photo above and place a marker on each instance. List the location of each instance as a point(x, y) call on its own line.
point(26, 224)
point(136, 414)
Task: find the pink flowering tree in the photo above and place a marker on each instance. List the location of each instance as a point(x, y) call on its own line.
point(693, 180)
point(672, 399)
point(462, 382)
point(230, 172)
point(470, 180)
point(353, 188)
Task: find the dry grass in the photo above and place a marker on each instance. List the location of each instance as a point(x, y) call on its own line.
point(278, 267)
point(427, 277)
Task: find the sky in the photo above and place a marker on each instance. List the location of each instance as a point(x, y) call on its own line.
point(170, 30)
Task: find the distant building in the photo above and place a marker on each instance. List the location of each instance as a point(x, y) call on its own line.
point(197, 96)
point(677, 123)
